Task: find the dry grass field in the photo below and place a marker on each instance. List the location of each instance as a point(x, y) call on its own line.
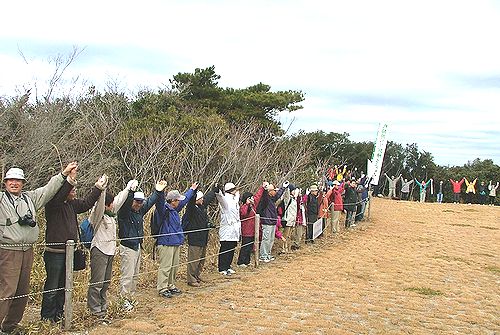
point(413, 269)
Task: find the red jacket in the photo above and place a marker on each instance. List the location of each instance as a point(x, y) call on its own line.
point(247, 217)
point(336, 198)
point(456, 185)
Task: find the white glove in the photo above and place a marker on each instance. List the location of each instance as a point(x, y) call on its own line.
point(102, 182)
point(307, 191)
point(132, 185)
point(160, 186)
point(286, 183)
point(265, 185)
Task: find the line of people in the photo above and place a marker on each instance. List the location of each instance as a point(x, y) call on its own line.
point(284, 212)
point(486, 193)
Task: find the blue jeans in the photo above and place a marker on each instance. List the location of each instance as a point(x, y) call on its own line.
point(53, 302)
point(440, 197)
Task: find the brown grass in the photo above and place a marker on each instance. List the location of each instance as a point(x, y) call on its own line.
point(412, 269)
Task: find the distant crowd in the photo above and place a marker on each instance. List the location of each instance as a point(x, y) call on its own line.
point(481, 193)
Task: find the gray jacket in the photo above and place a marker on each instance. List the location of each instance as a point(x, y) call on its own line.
point(14, 236)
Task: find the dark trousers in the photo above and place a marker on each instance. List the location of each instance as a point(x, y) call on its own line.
point(53, 302)
point(309, 233)
point(246, 250)
point(404, 195)
point(15, 270)
point(456, 197)
point(226, 254)
point(311, 219)
point(492, 200)
point(482, 199)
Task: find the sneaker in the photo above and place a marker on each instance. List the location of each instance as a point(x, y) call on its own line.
point(166, 294)
point(231, 271)
point(127, 306)
point(104, 321)
point(224, 273)
point(242, 265)
point(272, 258)
point(175, 291)
point(194, 284)
point(265, 260)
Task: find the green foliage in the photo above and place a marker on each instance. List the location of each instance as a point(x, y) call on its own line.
point(200, 90)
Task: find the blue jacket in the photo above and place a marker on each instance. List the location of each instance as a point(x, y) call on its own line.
point(170, 224)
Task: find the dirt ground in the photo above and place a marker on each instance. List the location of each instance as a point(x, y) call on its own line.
point(413, 269)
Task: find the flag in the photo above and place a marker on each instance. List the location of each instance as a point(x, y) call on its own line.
point(374, 166)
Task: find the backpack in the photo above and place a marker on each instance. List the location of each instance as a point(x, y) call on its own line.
point(155, 225)
point(86, 233)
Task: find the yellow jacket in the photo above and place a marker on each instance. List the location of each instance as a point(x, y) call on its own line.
point(471, 187)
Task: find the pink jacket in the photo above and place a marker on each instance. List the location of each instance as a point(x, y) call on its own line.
point(277, 232)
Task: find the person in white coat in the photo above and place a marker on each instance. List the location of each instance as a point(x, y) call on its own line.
point(230, 226)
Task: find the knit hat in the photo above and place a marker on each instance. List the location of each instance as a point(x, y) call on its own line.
point(245, 196)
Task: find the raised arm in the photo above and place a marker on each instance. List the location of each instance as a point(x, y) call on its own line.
point(42, 195)
point(188, 195)
point(160, 200)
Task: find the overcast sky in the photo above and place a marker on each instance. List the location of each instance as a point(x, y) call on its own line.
point(430, 69)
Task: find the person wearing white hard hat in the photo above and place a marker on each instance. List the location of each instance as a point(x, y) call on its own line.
point(18, 232)
point(131, 231)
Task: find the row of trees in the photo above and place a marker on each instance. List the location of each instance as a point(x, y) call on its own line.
point(191, 130)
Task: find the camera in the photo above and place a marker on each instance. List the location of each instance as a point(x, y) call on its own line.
point(27, 220)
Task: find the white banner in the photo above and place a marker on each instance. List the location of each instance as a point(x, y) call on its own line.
point(317, 228)
point(374, 166)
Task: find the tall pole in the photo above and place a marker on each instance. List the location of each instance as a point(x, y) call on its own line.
point(256, 240)
point(68, 293)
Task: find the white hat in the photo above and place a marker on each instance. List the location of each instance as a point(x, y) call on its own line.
point(175, 195)
point(199, 195)
point(14, 173)
point(229, 187)
point(139, 196)
point(335, 182)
